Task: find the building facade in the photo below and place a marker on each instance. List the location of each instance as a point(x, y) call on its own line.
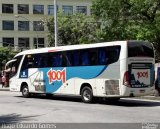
point(21, 21)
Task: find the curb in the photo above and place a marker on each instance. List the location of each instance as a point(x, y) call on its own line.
point(145, 99)
point(4, 89)
point(156, 98)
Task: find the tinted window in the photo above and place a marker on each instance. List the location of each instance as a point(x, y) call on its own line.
point(51, 9)
point(108, 55)
point(35, 61)
point(7, 8)
point(92, 56)
point(38, 9)
point(76, 56)
point(23, 25)
point(69, 58)
point(8, 42)
point(85, 57)
point(102, 57)
point(140, 49)
point(82, 9)
point(67, 10)
point(56, 60)
point(23, 9)
point(8, 25)
point(23, 43)
point(40, 60)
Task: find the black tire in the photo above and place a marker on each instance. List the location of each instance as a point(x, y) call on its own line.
point(87, 95)
point(25, 91)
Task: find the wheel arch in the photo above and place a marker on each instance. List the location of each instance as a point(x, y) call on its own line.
point(23, 84)
point(85, 85)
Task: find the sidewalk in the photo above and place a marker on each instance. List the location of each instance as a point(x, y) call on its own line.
point(148, 97)
point(4, 88)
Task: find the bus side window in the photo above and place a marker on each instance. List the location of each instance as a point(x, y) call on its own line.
point(116, 54)
point(44, 61)
point(37, 61)
point(113, 53)
point(56, 59)
point(102, 57)
point(84, 58)
point(76, 58)
point(40, 60)
point(93, 57)
point(68, 57)
point(30, 61)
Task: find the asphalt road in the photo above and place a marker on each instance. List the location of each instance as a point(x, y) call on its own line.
point(16, 109)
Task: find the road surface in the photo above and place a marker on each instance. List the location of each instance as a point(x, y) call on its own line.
point(15, 109)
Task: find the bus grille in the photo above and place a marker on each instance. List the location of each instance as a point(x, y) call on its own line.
point(112, 87)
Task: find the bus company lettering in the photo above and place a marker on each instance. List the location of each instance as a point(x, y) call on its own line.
point(142, 74)
point(59, 75)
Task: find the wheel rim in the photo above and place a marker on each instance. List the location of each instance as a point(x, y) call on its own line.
point(25, 91)
point(86, 95)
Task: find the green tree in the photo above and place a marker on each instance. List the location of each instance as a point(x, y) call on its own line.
point(130, 20)
point(75, 29)
point(5, 55)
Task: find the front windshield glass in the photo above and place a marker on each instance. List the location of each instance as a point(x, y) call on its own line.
point(12, 67)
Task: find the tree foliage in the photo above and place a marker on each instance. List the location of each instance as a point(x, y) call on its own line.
point(75, 29)
point(130, 20)
point(5, 55)
point(111, 20)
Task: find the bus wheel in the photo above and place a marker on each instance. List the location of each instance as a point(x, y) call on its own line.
point(87, 95)
point(25, 91)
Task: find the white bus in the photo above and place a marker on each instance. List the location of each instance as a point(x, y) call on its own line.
point(111, 69)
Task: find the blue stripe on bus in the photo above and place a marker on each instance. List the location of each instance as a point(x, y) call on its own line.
point(83, 72)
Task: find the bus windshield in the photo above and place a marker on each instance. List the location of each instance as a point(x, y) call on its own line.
point(140, 49)
point(12, 66)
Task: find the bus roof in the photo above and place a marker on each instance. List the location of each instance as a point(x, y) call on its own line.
point(70, 47)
